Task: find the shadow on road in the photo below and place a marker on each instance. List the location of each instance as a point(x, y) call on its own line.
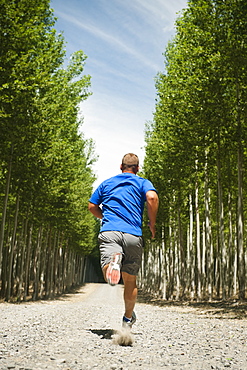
point(228, 309)
point(103, 333)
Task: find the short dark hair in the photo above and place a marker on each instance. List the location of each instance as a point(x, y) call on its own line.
point(130, 160)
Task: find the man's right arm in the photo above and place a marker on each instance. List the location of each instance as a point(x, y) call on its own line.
point(95, 210)
point(152, 208)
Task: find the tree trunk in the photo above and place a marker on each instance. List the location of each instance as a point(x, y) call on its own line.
point(43, 264)
point(177, 270)
point(190, 287)
point(5, 204)
point(22, 257)
point(198, 244)
point(56, 263)
point(60, 266)
point(27, 264)
point(230, 259)
point(164, 264)
point(204, 252)
point(221, 256)
point(12, 248)
point(36, 265)
point(181, 258)
point(48, 266)
point(171, 260)
point(52, 267)
point(209, 244)
point(235, 276)
point(241, 260)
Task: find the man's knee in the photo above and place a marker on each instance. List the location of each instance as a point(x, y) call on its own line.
point(127, 278)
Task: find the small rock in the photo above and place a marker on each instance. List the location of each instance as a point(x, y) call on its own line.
point(61, 361)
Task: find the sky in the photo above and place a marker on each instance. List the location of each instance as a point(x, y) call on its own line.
point(124, 41)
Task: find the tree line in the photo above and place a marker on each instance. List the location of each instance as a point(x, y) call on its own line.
point(195, 156)
point(196, 149)
point(46, 175)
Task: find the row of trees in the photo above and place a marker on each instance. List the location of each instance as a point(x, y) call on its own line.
point(195, 155)
point(46, 177)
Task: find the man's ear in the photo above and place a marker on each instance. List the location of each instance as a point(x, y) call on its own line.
point(121, 167)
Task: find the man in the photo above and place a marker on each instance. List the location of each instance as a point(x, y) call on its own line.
point(120, 239)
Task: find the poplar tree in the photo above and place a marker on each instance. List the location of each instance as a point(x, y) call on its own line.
point(198, 135)
point(46, 175)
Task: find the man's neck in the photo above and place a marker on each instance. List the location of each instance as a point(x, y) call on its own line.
point(129, 172)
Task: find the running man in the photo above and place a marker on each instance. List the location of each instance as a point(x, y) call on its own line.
point(122, 198)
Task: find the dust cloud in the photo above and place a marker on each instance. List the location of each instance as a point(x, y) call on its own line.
point(123, 337)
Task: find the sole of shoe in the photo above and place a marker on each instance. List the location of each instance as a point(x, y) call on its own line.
point(113, 272)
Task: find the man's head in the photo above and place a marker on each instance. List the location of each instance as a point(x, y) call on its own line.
point(130, 163)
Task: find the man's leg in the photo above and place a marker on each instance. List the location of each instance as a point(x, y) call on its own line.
point(110, 255)
point(104, 269)
point(130, 293)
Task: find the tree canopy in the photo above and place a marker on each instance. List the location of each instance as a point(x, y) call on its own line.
point(46, 175)
point(196, 150)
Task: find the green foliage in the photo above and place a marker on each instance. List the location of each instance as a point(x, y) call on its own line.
point(42, 151)
point(199, 131)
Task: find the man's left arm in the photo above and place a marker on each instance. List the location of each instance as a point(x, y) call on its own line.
point(95, 210)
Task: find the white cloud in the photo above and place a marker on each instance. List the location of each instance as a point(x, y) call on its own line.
point(124, 41)
point(108, 37)
point(117, 73)
point(160, 9)
point(160, 14)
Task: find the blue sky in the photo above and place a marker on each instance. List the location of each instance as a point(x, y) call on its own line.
point(124, 41)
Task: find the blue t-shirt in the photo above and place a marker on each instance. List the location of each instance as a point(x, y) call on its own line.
point(122, 198)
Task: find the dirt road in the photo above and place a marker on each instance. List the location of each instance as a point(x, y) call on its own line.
point(81, 331)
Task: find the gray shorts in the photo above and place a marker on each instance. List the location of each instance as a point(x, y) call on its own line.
point(129, 245)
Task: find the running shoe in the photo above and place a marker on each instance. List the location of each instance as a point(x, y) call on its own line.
point(113, 272)
point(127, 323)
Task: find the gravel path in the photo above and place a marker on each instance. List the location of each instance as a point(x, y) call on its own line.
point(79, 332)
